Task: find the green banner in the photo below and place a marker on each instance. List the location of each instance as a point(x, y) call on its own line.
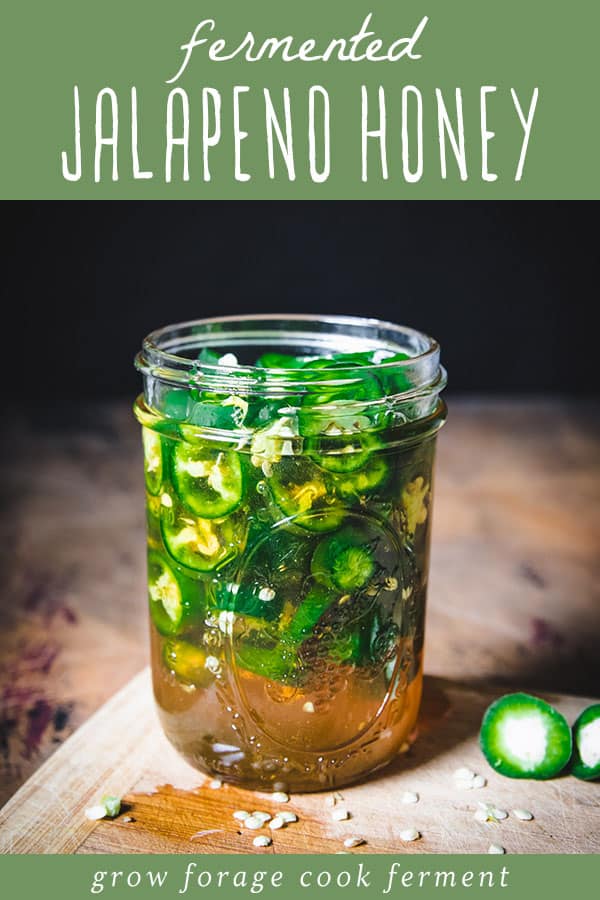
point(270, 876)
point(361, 99)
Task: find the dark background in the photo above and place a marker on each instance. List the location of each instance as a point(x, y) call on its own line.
point(502, 286)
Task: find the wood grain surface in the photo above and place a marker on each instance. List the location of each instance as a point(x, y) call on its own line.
point(171, 808)
point(514, 592)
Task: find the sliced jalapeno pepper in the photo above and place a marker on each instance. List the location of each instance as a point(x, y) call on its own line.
point(308, 613)
point(249, 600)
point(524, 737)
point(344, 561)
point(279, 361)
point(209, 357)
point(197, 543)
point(345, 453)
point(189, 663)
point(167, 605)
point(216, 411)
point(175, 404)
point(394, 379)
point(346, 648)
point(372, 475)
point(275, 661)
point(207, 481)
point(301, 490)
point(152, 512)
point(153, 460)
point(585, 762)
point(339, 406)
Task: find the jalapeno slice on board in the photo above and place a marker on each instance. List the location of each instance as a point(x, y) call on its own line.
point(207, 481)
point(197, 543)
point(301, 490)
point(524, 737)
point(344, 561)
point(585, 763)
point(153, 460)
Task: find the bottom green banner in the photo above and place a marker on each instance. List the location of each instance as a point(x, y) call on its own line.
point(143, 876)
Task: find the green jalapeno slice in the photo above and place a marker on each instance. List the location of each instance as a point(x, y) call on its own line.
point(373, 475)
point(344, 561)
point(301, 490)
point(167, 606)
point(309, 611)
point(189, 663)
point(207, 481)
point(585, 762)
point(197, 543)
point(345, 453)
point(153, 460)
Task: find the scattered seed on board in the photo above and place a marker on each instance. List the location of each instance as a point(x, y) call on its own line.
point(287, 816)
point(339, 815)
point(409, 797)
point(252, 822)
point(94, 813)
point(127, 819)
point(241, 815)
point(354, 842)
point(262, 841)
point(330, 801)
point(309, 707)
point(215, 784)
point(276, 823)
point(409, 834)
point(496, 848)
point(463, 774)
point(263, 816)
point(523, 814)
point(486, 813)
point(467, 780)
point(280, 797)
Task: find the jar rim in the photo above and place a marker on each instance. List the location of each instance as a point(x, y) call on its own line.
point(157, 359)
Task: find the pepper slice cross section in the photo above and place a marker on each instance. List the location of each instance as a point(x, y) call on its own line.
point(207, 481)
point(524, 737)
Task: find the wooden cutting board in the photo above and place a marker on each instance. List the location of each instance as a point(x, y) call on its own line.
point(171, 808)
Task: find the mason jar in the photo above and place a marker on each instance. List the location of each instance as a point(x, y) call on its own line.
point(289, 473)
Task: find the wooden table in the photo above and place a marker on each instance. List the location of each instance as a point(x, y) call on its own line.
point(168, 807)
point(514, 588)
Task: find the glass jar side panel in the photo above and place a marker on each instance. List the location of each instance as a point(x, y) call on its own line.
point(287, 598)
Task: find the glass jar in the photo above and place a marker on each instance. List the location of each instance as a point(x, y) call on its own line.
point(289, 472)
